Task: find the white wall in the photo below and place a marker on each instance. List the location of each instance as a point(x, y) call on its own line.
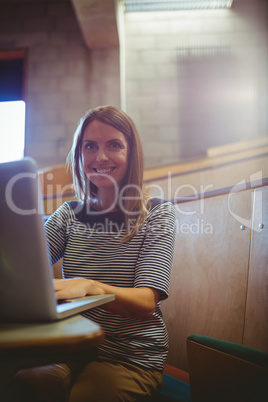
point(197, 79)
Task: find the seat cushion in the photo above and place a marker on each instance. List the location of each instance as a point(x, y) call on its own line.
point(174, 390)
point(177, 373)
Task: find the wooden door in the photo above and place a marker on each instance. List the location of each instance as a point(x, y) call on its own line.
point(256, 321)
point(210, 270)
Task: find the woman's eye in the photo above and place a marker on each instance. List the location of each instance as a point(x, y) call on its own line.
point(114, 145)
point(90, 146)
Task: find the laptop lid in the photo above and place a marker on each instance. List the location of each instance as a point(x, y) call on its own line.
point(26, 288)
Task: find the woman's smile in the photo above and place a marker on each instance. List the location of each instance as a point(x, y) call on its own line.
point(103, 170)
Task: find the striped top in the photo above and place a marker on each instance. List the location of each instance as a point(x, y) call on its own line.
point(89, 242)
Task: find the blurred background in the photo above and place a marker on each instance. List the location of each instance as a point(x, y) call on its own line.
point(192, 74)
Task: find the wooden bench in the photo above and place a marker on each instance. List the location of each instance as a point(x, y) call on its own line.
point(206, 174)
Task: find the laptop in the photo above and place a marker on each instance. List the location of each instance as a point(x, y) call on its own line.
point(26, 279)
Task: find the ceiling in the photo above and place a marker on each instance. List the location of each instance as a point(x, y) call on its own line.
point(97, 20)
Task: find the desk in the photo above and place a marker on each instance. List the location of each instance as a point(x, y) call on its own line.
point(29, 345)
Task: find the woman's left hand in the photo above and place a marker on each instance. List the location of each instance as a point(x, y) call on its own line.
point(75, 287)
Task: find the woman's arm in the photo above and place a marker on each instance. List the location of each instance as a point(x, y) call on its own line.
point(55, 229)
point(137, 303)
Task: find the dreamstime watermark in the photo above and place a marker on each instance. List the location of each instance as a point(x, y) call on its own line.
point(254, 221)
point(195, 221)
point(198, 227)
point(121, 196)
point(88, 229)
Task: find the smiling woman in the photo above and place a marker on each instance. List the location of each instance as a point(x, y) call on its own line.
point(113, 240)
point(107, 138)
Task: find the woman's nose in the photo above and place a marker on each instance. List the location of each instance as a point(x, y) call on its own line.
point(101, 154)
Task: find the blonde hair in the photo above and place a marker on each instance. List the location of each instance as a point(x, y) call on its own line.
point(135, 203)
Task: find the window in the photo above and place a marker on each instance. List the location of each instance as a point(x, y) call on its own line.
point(12, 105)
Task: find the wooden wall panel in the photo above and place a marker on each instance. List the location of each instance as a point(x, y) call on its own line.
point(256, 322)
point(51, 204)
point(57, 187)
point(209, 275)
point(56, 180)
point(207, 179)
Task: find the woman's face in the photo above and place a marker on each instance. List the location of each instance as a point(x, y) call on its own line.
point(104, 154)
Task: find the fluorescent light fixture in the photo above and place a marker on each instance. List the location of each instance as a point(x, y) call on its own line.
point(170, 5)
point(12, 130)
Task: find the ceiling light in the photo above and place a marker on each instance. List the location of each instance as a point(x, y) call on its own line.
point(170, 5)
